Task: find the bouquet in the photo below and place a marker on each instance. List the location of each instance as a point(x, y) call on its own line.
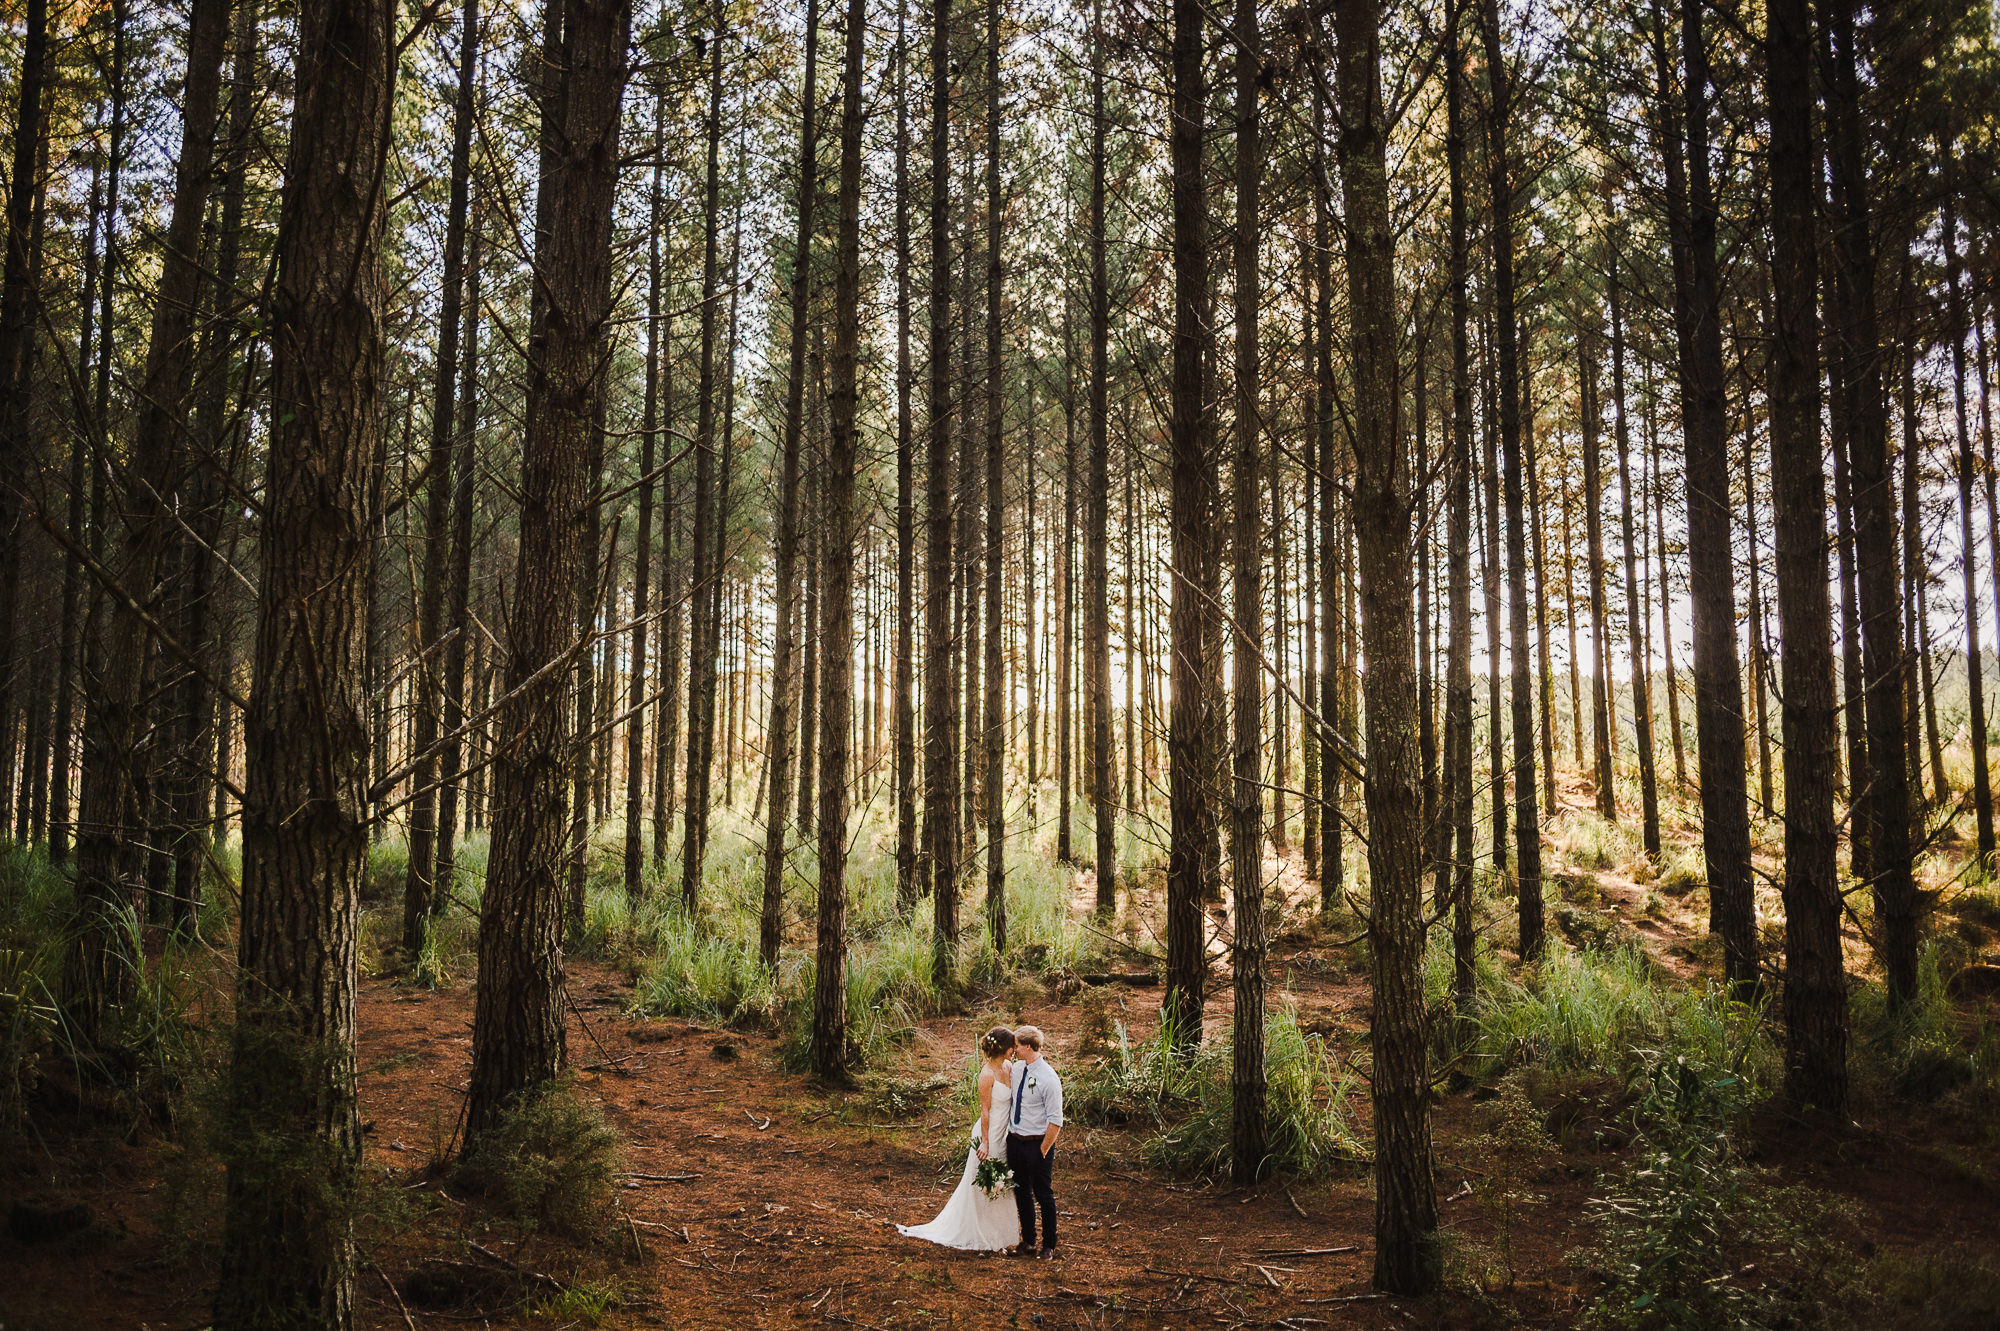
point(994, 1179)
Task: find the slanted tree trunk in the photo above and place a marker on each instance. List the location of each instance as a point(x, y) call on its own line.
point(1527, 816)
point(1406, 1245)
point(419, 877)
point(294, 1149)
point(1815, 985)
point(1246, 792)
point(785, 558)
point(829, 1022)
point(517, 1031)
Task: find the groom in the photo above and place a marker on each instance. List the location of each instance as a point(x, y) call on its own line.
point(1031, 1140)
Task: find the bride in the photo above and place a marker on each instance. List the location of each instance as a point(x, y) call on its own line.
point(971, 1219)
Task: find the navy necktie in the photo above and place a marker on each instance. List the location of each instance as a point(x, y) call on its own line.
point(1017, 1095)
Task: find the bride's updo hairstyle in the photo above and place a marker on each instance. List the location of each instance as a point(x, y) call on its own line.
point(996, 1041)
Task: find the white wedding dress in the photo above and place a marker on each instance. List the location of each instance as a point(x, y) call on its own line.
point(971, 1219)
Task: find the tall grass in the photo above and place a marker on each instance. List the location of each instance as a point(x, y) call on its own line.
point(1606, 1011)
point(1186, 1099)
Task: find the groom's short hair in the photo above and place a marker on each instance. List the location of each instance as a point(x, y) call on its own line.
point(1030, 1036)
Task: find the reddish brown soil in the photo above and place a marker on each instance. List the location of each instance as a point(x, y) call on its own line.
point(789, 1217)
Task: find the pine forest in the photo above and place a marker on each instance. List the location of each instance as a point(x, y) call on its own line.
point(617, 616)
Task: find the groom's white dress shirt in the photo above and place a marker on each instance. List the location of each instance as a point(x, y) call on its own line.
point(1038, 1094)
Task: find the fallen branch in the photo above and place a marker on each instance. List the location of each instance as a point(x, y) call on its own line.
point(660, 1178)
point(395, 1294)
point(515, 1266)
point(1308, 1252)
point(1196, 1275)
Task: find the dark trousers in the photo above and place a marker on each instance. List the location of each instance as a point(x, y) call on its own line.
point(1031, 1186)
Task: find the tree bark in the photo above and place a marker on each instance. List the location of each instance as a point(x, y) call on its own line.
point(1718, 676)
point(1246, 799)
point(1527, 818)
point(1407, 1259)
point(518, 1032)
point(941, 833)
point(1637, 613)
point(701, 626)
point(1899, 909)
point(1190, 771)
point(995, 720)
point(1982, 790)
point(1815, 985)
point(1097, 590)
point(294, 1145)
point(785, 557)
point(419, 877)
point(829, 1025)
point(909, 881)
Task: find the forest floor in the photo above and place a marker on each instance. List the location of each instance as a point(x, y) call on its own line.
point(754, 1197)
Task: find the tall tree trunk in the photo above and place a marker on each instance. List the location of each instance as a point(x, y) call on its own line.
point(458, 594)
point(1718, 675)
point(419, 880)
point(17, 342)
point(159, 455)
point(785, 560)
point(288, 1250)
point(642, 537)
point(517, 1032)
point(941, 834)
point(1982, 790)
point(1406, 1241)
point(909, 881)
point(995, 727)
point(1636, 613)
point(701, 635)
point(1246, 791)
point(1899, 908)
point(1527, 816)
point(1190, 771)
point(1489, 532)
point(1600, 619)
point(1334, 753)
point(829, 1024)
point(1815, 985)
point(1097, 585)
point(70, 655)
point(1458, 667)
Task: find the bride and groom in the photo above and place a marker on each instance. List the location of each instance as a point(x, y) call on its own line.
point(1020, 1117)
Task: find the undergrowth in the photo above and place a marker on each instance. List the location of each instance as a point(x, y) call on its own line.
point(1184, 1097)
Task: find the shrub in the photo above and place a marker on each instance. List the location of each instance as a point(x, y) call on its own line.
point(1309, 1129)
point(695, 974)
point(1689, 1239)
point(548, 1162)
point(1924, 1050)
